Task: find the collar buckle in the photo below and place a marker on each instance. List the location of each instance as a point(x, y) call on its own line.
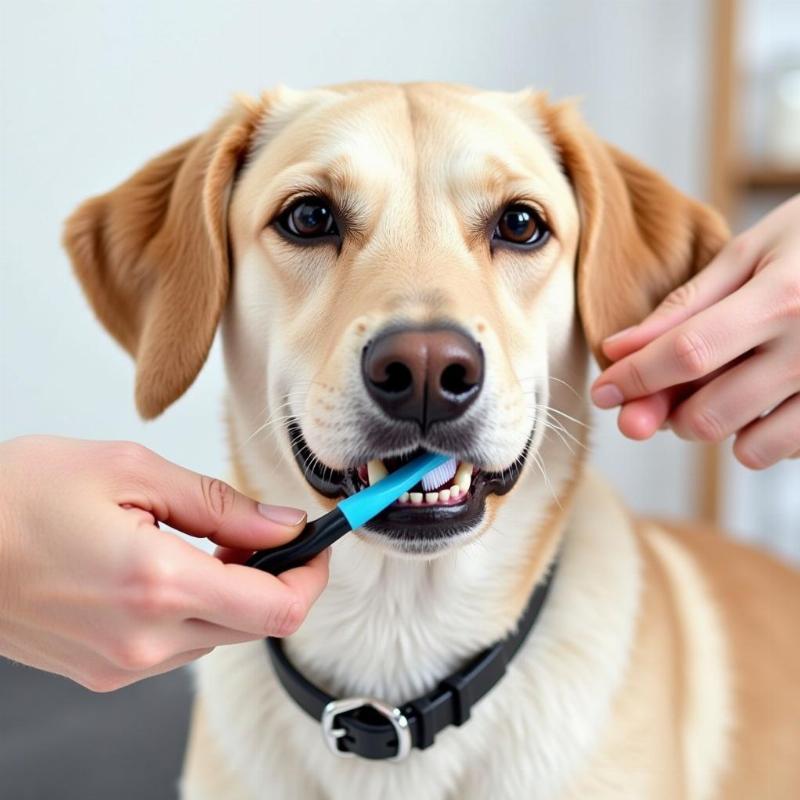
point(395, 716)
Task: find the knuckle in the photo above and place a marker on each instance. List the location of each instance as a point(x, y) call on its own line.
point(692, 353)
point(135, 653)
point(131, 456)
point(219, 497)
point(680, 297)
point(789, 297)
point(636, 379)
point(286, 620)
point(704, 426)
point(148, 590)
point(742, 246)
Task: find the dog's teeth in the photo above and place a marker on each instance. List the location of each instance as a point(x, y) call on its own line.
point(376, 471)
point(416, 498)
point(431, 497)
point(404, 497)
point(455, 491)
point(464, 476)
point(444, 495)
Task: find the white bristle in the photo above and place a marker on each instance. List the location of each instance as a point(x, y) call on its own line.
point(439, 475)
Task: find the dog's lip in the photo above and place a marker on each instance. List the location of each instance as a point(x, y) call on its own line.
point(406, 520)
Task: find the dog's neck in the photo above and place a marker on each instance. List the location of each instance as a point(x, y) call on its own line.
point(392, 627)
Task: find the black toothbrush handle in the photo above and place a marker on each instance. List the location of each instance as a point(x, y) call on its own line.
point(313, 539)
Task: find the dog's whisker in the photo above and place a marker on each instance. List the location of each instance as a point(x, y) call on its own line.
point(537, 378)
point(273, 421)
point(560, 436)
point(540, 463)
point(556, 425)
point(562, 414)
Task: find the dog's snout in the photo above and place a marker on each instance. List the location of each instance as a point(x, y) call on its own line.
point(424, 376)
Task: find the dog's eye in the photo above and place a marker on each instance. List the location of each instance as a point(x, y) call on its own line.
point(520, 224)
point(309, 218)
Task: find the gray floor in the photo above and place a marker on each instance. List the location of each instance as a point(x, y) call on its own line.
point(58, 740)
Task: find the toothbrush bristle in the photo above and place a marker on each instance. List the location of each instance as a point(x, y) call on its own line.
point(439, 475)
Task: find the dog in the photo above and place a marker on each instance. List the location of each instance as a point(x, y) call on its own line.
point(429, 266)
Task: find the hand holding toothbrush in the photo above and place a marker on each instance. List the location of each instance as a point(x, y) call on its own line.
point(92, 589)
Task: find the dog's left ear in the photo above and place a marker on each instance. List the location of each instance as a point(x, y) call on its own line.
point(640, 237)
point(152, 255)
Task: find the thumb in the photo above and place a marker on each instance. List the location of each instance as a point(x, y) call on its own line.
point(202, 506)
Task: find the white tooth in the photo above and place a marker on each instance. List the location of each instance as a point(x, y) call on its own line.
point(376, 471)
point(464, 476)
point(431, 497)
point(455, 490)
point(444, 495)
point(416, 498)
point(404, 497)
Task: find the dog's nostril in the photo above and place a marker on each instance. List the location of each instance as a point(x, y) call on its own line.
point(398, 378)
point(454, 380)
point(423, 375)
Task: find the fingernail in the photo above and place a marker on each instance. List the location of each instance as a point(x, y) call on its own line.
point(619, 334)
point(607, 396)
point(282, 515)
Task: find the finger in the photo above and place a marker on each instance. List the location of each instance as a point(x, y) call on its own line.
point(693, 349)
point(726, 273)
point(735, 398)
point(203, 506)
point(640, 419)
point(772, 438)
point(249, 600)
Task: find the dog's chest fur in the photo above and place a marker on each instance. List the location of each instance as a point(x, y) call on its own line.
point(394, 636)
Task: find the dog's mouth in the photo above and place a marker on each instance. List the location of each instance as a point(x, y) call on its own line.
point(447, 502)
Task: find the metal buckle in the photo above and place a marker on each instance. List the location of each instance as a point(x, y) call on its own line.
point(394, 715)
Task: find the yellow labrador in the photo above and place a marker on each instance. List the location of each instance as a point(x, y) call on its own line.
point(429, 266)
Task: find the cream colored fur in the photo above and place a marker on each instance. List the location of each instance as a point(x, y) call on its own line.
point(641, 679)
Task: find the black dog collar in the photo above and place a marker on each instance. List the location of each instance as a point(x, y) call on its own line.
point(370, 728)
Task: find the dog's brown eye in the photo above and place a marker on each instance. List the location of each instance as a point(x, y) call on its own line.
point(309, 218)
point(521, 225)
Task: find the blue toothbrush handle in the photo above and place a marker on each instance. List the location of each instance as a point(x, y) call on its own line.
point(351, 513)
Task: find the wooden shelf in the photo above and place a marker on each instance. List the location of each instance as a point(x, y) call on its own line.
point(764, 176)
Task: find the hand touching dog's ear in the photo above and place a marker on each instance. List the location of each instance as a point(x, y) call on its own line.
point(152, 256)
point(640, 237)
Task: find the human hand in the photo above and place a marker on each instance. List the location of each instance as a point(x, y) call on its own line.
point(91, 589)
point(721, 354)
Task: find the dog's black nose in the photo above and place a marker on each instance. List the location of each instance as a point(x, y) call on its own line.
point(423, 375)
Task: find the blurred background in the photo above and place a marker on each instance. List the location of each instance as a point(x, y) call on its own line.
point(706, 92)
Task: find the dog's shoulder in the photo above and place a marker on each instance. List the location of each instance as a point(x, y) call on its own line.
point(756, 605)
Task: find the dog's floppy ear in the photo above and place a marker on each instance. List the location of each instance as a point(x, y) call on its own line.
point(152, 256)
point(640, 237)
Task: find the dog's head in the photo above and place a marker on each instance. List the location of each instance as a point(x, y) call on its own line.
point(401, 268)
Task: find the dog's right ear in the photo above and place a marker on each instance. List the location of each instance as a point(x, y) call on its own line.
point(152, 255)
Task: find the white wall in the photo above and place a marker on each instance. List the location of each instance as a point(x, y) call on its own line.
point(92, 89)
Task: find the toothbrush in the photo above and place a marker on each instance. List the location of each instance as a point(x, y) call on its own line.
point(350, 513)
